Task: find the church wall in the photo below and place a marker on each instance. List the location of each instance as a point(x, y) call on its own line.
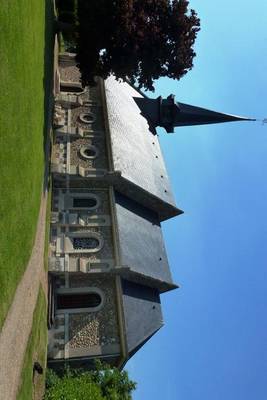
point(97, 144)
point(99, 328)
point(95, 112)
point(69, 73)
point(68, 222)
point(82, 254)
point(83, 334)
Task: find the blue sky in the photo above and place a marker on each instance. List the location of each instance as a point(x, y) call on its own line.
point(214, 343)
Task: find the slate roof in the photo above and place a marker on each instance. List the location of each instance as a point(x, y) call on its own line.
point(143, 198)
point(136, 150)
point(140, 326)
point(141, 244)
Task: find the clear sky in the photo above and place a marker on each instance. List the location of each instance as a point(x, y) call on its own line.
point(214, 342)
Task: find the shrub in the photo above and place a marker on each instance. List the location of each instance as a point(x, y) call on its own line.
point(103, 383)
point(72, 388)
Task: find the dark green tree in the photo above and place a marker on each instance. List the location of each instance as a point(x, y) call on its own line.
point(103, 383)
point(140, 40)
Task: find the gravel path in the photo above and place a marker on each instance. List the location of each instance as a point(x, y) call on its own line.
point(17, 326)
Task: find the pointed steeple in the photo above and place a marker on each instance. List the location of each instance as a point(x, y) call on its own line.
point(168, 113)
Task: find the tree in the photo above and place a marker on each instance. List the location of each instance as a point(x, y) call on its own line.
point(138, 40)
point(103, 383)
point(114, 384)
point(73, 387)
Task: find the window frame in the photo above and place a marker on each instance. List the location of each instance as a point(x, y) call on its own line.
point(68, 201)
point(68, 245)
point(88, 147)
point(81, 290)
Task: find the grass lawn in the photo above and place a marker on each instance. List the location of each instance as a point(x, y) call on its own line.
point(36, 351)
point(26, 48)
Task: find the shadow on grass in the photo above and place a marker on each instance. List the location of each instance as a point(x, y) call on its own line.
point(48, 82)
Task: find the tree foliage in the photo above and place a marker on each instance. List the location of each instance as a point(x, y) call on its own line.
point(73, 388)
point(140, 40)
point(103, 383)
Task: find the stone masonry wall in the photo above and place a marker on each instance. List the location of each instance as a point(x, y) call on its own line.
point(99, 162)
point(97, 124)
point(69, 74)
point(84, 333)
point(96, 328)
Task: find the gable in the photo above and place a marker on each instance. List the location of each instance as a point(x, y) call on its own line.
point(140, 240)
point(143, 316)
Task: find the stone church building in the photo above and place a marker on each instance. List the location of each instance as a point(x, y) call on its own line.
point(107, 260)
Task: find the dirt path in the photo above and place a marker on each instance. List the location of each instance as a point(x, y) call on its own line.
point(17, 326)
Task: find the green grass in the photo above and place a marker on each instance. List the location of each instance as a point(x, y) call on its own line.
point(36, 351)
point(25, 84)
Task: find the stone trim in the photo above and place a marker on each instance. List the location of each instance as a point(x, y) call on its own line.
point(67, 245)
point(71, 219)
point(115, 233)
point(121, 322)
point(68, 155)
point(106, 124)
point(110, 349)
point(70, 196)
point(72, 85)
point(89, 147)
point(84, 120)
point(66, 328)
point(80, 264)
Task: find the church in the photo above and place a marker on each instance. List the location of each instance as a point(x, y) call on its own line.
point(110, 192)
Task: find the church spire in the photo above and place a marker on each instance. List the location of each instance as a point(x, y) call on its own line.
point(168, 113)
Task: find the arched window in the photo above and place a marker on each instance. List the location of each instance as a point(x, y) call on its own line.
point(84, 202)
point(78, 300)
point(85, 243)
point(89, 200)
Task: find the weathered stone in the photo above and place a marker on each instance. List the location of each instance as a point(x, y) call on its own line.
point(96, 328)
